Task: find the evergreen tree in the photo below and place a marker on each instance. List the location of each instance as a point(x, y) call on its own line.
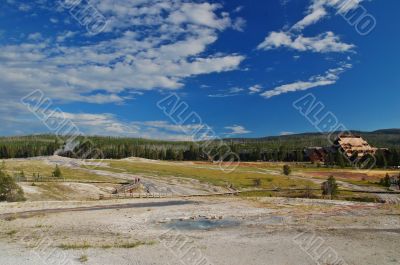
point(386, 181)
point(57, 172)
point(330, 187)
point(330, 160)
point(381, 161)
point(340, 160)
point(396, 158)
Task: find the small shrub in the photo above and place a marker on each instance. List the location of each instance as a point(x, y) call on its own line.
point(12, 232)
point(11, 218)
point(75, 246)
point(83, 258)
point(9, 190)
point(287, 170)
point(308, 193)
point(257, 182)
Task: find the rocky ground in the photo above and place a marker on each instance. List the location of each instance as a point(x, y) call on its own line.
point(217, 231)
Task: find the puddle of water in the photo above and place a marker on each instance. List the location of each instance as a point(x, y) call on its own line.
point(202, 224)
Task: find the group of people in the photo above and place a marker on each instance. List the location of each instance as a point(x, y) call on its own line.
point(136, 180)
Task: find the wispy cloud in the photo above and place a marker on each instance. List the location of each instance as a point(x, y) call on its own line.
point(323, 43)
point(236, 130)
point(286, 133)
point(318, 10)
point(66, 35)
point(329, 78)
point(18, 120)
point(255, 89)
point(24, 7)
point(313, 17)
point(234, 91)
point(35, 36)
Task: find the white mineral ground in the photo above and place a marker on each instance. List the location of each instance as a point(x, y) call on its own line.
point(359, 233)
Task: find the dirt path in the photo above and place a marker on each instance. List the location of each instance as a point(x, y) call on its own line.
point(28, 214)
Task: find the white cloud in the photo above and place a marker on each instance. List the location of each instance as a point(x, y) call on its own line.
point(233, 91)
point(236, 130)
point(329, 78)
point(102, 98)
point(16, 118)
point(297, 86)
point(238, 9)
point(200, 14)
point(286, 133)
point(66, 35)
point(221, 95)
point(323, 43)
point(35, 36)
point(24, 7)
point(316, 15)
point(54, 20)
point(239, 24)
point(171, 46)
point(284, 3)
point(318, 10)
point(255, 89)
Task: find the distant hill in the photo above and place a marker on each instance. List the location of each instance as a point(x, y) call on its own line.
point(385, 138)
point(387, 131)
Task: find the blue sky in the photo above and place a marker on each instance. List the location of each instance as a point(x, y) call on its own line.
point(239, 64)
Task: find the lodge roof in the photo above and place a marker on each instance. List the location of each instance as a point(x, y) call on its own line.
point(354, 143)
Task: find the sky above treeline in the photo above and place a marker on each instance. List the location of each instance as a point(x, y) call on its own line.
point(239, 65)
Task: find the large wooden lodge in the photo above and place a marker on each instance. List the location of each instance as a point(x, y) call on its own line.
point(349, 144)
